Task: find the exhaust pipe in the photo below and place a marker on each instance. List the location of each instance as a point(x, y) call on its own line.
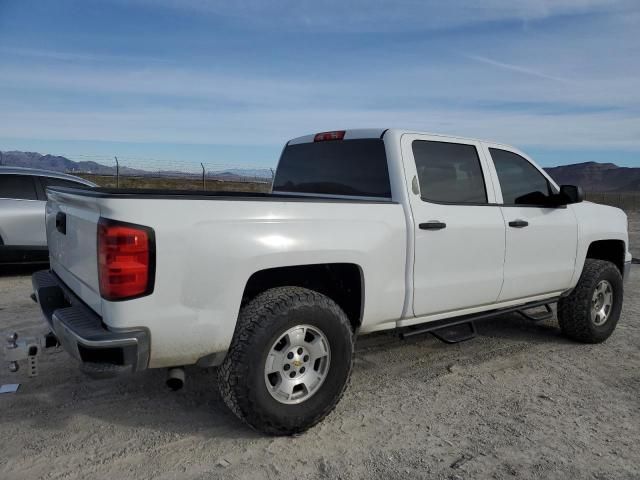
point(175, 378)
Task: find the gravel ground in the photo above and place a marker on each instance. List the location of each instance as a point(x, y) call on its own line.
point(518, 401)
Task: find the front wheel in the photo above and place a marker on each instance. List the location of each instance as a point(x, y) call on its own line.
point(289, 361)
point(591, 312)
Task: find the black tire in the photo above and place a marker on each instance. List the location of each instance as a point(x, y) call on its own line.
point(574, 310)
point(261, 322)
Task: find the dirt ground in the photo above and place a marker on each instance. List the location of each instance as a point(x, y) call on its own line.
point(518, 401)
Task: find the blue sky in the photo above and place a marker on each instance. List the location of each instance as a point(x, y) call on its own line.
point(230, 82)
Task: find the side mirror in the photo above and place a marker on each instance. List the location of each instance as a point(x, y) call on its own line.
point(571, 194)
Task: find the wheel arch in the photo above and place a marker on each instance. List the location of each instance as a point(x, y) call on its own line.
point(611, 250)
point(342, 282)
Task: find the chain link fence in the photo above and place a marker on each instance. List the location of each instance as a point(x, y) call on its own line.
point(132, 172)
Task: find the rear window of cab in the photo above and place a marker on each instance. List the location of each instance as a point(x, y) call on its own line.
point(355, 167)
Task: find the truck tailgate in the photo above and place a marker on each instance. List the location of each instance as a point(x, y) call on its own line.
point(72, 223)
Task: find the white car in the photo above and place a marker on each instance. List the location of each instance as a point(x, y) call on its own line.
point(365, 230)
point(22, 204)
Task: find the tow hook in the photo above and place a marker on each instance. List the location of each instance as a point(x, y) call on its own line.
point(29, 348)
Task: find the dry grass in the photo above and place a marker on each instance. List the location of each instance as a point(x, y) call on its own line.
point(168, 183)
point(627, 201)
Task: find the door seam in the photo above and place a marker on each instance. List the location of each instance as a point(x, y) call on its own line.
point(504, 256)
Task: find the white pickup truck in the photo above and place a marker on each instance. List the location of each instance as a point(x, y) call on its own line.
point(365, 230)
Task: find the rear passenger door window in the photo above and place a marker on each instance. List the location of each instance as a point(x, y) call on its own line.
point(521, 183)
point(449, 172)
point(19, 187)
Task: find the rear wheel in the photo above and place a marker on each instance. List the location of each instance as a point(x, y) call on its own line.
point(289, 361)
point(591, 312)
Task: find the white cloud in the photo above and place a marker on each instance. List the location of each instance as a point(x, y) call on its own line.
point(75, 57)
point(458, 98)
point(564, 87)
point(174, 82)
point(383, 15)
point(517, 68)
point(256, 127)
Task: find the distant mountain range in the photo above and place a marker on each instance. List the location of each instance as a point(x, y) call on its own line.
point(592, 176)
point(63, 164)
point(598, 177)
point(52, 162)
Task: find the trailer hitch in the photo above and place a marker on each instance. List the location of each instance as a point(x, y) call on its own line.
point(27, 348)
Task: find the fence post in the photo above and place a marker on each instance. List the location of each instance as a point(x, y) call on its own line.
point(117, 173)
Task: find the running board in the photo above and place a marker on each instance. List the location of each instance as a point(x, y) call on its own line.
point(437, 327)
point(456, 333)
point(540, 317)
point(446, 331)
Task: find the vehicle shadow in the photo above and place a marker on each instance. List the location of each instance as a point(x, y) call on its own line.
point(517, 328)
point(142, 401)
point(136, 402)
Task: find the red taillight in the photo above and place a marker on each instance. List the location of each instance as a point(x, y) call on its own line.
point(126, 257)
point(327, 136)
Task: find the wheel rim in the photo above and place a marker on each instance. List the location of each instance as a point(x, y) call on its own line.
point(297, 364)
point(601, 303)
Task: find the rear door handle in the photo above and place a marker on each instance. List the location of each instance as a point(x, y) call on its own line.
point(518, 223)
point(432, 225)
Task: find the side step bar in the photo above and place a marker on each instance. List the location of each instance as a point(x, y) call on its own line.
point(441, 328)
point(540, 317)
point(456, 333)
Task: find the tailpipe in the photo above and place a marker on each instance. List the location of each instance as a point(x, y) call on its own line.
point(175, 378)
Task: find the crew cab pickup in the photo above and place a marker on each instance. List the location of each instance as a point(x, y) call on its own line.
point(364, 230)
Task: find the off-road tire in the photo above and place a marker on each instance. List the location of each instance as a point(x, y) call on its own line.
point(574, 310)
point(260, 323)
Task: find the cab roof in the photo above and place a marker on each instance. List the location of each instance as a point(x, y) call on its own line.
point(353, 133)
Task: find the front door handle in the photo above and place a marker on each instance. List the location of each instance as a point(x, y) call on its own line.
point(518, 223)
point(432, 225)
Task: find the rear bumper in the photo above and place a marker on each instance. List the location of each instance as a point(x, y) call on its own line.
point(81, 332)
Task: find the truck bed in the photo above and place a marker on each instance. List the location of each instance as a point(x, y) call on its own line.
point(163, 194)
point(205, 254)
